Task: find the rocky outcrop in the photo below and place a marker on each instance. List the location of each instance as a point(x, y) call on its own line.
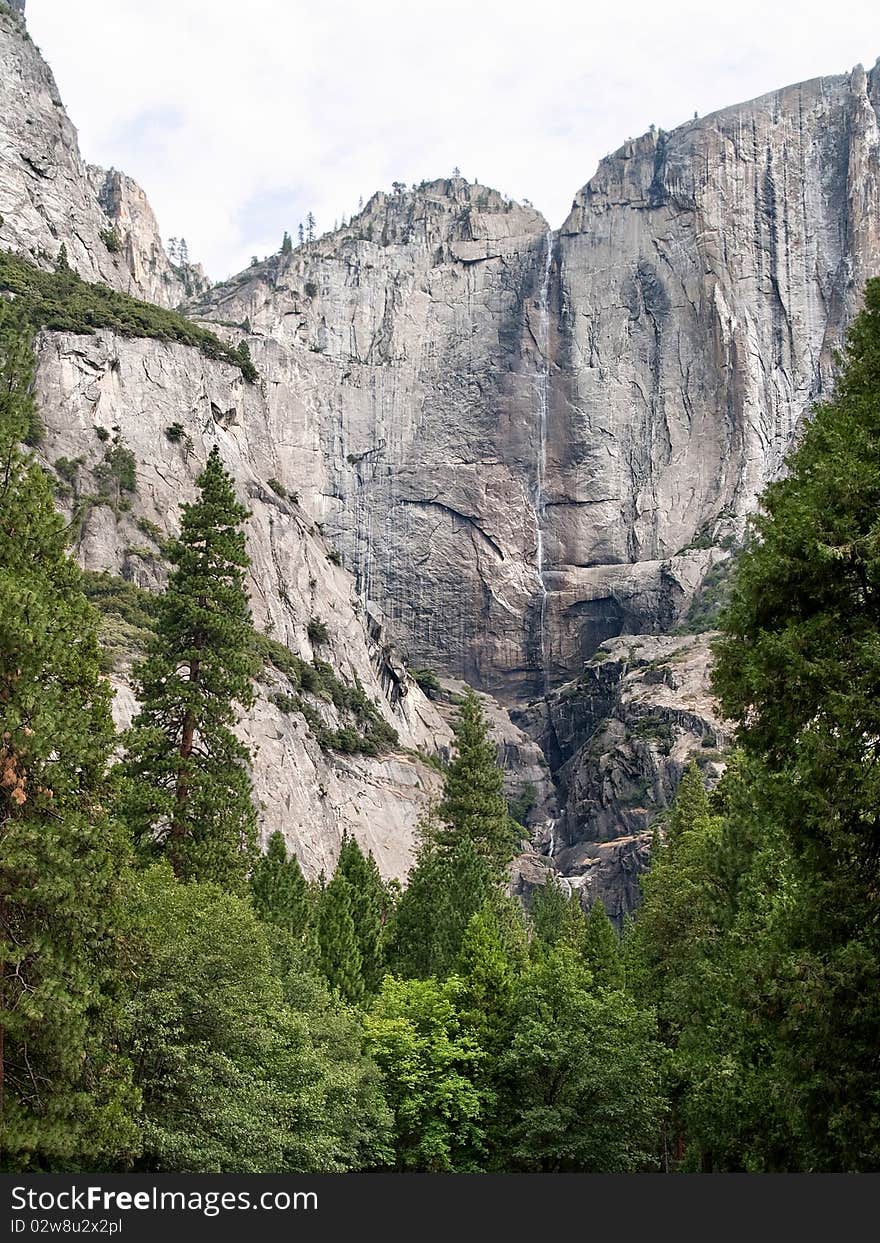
point(48, 197)
point(618, 740)
point(524, 443)
point(167, 405)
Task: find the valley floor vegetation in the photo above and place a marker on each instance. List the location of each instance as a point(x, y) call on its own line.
point(174, 999)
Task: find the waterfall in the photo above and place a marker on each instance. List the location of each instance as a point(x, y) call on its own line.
point(542, 387)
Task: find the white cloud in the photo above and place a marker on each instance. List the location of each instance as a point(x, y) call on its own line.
point(238, 118)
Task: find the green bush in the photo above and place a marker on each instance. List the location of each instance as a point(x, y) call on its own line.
point(111, 239)
point(317, 632)
point(63, 302)
point(278, 488)
point(175, 433)
point(427, 681)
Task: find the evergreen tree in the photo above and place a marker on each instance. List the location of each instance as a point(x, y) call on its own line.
point(493, 953)
point(473, 803)
point(300, 233)
point(797, 667)
point(337, 940)
point(279, 892)
point(310, 227)
point(286, 244)
point(64, 1091)
point(602, 952)
point(691, 803)
point(369, 908)
point(557, 917)
point(187, 788)
point(445, 888)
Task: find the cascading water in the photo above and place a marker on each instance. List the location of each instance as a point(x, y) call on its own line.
point(542, 388)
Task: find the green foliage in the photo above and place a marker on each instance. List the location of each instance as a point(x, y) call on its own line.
point(111, 239)
point(601, 949)
point(115, 476)
point(520, 807)
point(237, 1074)
point(186, 785)
point(318, 632)
point(414, 1033)
point(175, 433)
point(340, 955)
point(278, 488)
point(579, 1082)
point(427, 681)
point(370, 907)
point(127, 616)
point(473, 803)
point(364, 731)
point(66, 1093)
point(278, 889)
point(557, 917)
point(445, 889)
point(63, 302)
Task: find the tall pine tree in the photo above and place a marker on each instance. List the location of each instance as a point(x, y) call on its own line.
point(340, 956)
point(473, 803)
point(187, 783)
point(369, 908)
point(279, 892)
point(64, 1093)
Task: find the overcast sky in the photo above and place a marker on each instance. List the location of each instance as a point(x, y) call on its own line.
point(239, 116)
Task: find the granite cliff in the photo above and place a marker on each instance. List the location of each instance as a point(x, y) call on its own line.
point(524, 442)
point(515, 453)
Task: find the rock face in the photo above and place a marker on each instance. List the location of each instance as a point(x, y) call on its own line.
point(49, 197)
point(524, 443)
point(524, 448)
point(618, 740)
point(137, 390)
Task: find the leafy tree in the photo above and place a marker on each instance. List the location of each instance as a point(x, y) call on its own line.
point(279, 892)
point(602, 952)
point(65, 1093)
point(579, 1084)
point(234, 1077)
point(369, 908)
point(473, 803)
point(414, 1033)
point(187, 785)
point(340, 955)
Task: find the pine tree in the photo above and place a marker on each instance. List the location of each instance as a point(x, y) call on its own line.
point(187, 788)
point(445, 888)
point(557, 917)
point(337, 940)
point(602, 952)
point(300, 233)
point(691, 804)
point(473, 803)
point(286, 244)
point(310, 227)
point(369, 908)
point(64, 1093)
point(279, 892)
